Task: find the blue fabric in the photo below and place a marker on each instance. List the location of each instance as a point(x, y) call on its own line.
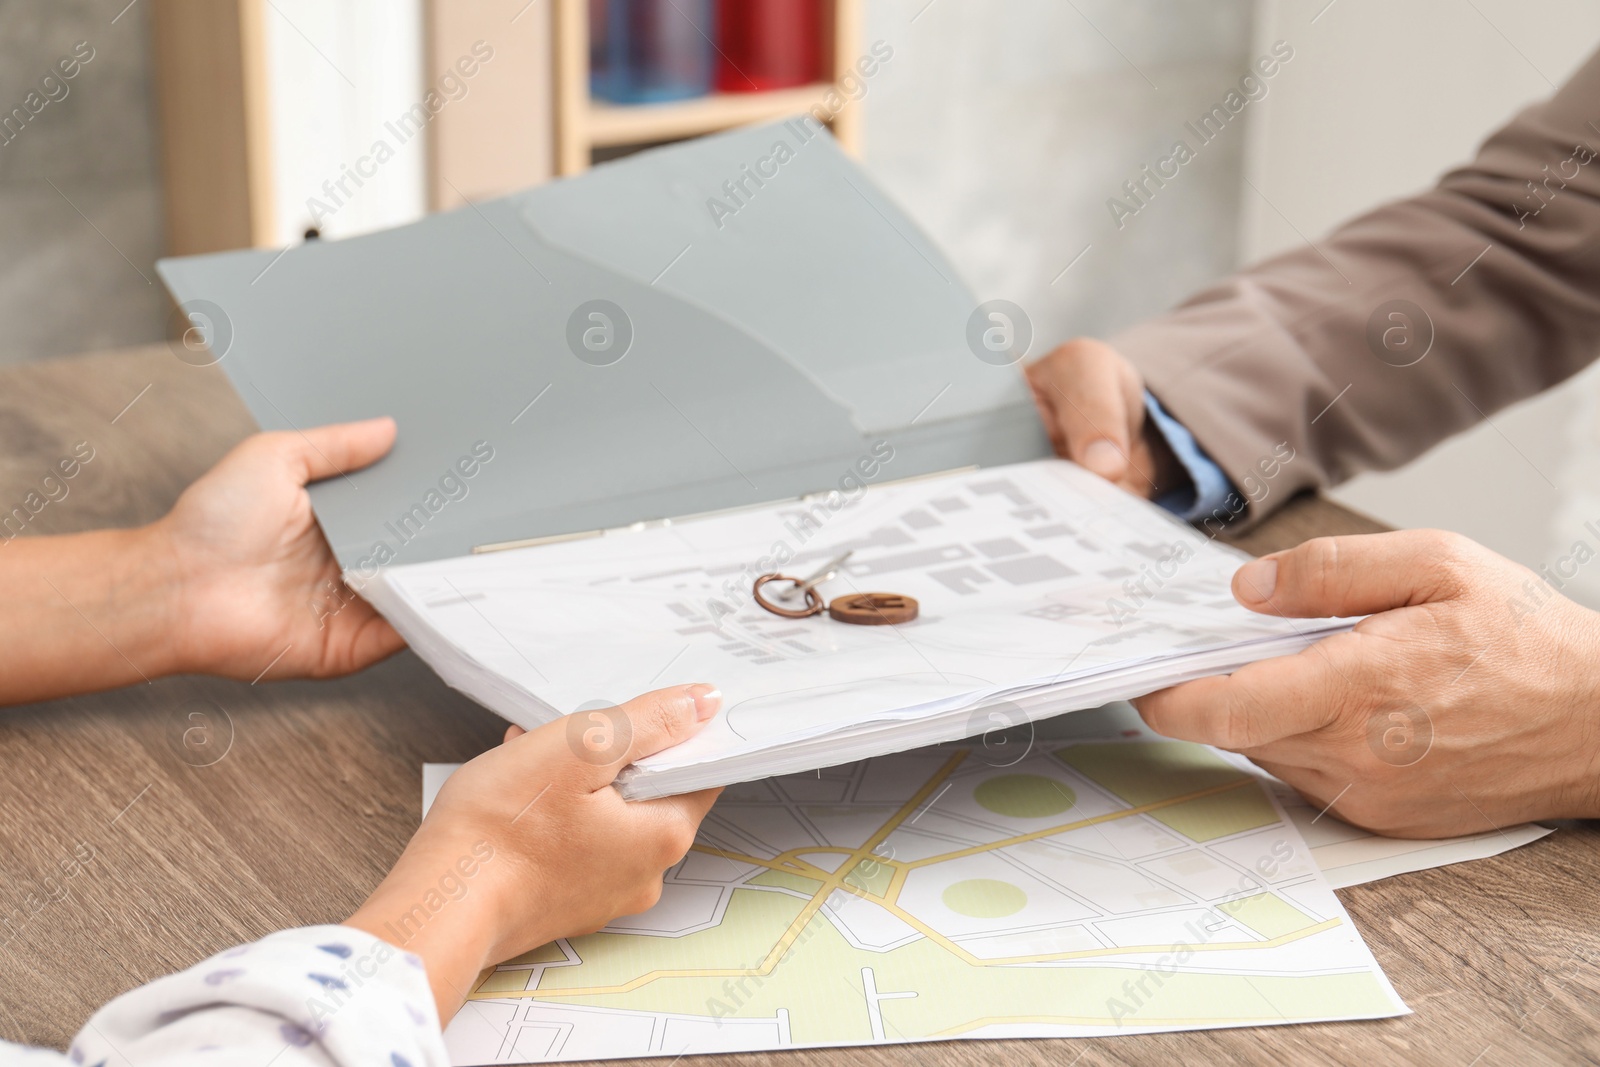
point(1208, 488)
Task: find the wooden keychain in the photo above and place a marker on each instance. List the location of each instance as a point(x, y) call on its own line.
point(857, 609)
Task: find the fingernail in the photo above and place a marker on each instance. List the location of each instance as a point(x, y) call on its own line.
point(1257, 579)
point(1104, 459)
point(707, 699)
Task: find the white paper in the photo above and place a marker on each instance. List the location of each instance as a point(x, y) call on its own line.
point(1352, 856)
point(1032, 577)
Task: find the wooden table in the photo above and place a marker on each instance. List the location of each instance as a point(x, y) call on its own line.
point(315, 787)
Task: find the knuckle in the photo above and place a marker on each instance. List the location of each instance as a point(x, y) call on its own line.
point(1348, 682)
point(1369, 810)
point(645, 897)
point(665, 719)
point(1070, 352)
point(1356, 810)
point(673, 843)
point(1452, 557)
point(1183, 715)
point(1152, 709)
point(660, 715)
point(1073, 356)
point(279, 442)
point(1237, 726)
point(266, 445)
point(657, 847)
point(1049, 365)
point(1352, 703)
point(1445, 544)
point(1318, 565)
point(680, 840)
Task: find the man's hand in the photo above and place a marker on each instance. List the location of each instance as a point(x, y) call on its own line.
point(529, 842)
point(255, 577)
point(1467, 701)
point(1092, 403)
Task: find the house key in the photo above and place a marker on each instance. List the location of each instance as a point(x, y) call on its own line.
point(858, 609)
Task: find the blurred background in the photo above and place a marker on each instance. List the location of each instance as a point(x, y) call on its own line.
point(1004, 128)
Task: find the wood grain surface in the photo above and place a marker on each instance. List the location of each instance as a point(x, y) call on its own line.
point(218, 812)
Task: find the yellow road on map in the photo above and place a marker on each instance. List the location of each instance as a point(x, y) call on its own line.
point(776, 948)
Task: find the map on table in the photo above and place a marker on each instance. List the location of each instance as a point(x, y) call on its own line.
point(1095, 887)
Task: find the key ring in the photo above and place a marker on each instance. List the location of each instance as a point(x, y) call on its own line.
point(813, 598)
point(825, 573)
point(858, 609)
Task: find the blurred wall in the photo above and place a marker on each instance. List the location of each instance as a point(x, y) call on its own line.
point(1006, 127)
point(1384, 98)
point(80, 193)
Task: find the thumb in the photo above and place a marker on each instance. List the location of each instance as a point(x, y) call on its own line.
point(1082, 388)
point(1358, 575)
point(341, 447)
point(608, 739)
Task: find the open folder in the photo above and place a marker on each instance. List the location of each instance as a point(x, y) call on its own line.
point(623, 396)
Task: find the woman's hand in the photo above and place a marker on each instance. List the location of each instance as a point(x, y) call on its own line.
point(529, 842)
point(236, 580)
point(1469, 701)
point(256, 583)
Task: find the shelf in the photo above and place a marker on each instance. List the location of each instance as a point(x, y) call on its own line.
point(529, 117)
point(610, 125)
point(583, 125)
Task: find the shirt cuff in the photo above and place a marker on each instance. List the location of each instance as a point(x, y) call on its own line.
point(1208, 489)
point(324, 995)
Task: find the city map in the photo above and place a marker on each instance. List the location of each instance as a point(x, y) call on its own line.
point(1099, 886)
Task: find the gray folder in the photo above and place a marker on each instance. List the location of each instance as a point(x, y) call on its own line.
point(734, 320)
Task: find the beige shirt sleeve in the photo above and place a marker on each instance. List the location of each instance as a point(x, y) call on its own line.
point(1404, 326)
